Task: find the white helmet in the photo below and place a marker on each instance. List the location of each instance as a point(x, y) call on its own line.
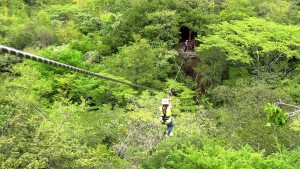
point(165, 101)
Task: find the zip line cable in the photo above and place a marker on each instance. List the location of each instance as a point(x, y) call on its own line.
point(178, 72)
point(22, 54)
point(9, 50)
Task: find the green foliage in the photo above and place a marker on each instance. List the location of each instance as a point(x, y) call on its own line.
point(61, 12)
point(6, 63)
point(53, 2)
point(45, 35)
point(64, 54)
point(95, 90)
point(68, 32)
point(236, 75)
point(279, 11)
point(211, 68)
point(139, 63)
point(74, 86)
point(123, 25)
point(91, 44)
point(291, 86)
point(209, 153)
point(237, 10)
point(185, 96)
point(240, 112)
point(252, 43)
point(253, 40)
point(61, 141)
point(65, 136)
point(19, 121)
point(141, 132)
point(13, 8)
point(295, 125)
point(162, 26)
point(20, 37)
point(191, 14)
point(286, 159)
point(275, 115)
point(88, 23)
point(54, 118)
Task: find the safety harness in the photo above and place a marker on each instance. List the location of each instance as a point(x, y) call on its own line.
point(165, 118)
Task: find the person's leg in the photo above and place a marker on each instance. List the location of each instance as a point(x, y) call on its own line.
point(170, 127)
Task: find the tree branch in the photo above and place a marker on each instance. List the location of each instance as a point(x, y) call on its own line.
point(281, 103)
point(275, 60)
point(289, 70)
point(6, 70)
point(291, 114)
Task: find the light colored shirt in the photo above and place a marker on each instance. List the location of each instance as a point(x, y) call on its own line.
point(168, 114)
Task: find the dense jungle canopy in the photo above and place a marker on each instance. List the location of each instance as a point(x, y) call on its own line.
point(236, 86)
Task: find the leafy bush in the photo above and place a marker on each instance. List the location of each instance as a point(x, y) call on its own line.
point(292, 87)
point(275, 115)
point(240, 114)
point(211, 154)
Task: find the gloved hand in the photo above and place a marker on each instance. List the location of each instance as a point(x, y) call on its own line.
point(170, 93)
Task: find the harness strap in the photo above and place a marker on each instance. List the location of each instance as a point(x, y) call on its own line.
point(165, 117)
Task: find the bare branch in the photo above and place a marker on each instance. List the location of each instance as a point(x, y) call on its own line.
point(275, 60)
point(291, 114)
point(281, 103)
point(286, 72)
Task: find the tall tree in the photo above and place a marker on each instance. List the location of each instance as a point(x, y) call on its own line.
point(253, 42)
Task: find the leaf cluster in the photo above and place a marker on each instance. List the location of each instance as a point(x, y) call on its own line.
point(275, 115)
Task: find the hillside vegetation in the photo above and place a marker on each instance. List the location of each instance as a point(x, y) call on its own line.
point(247, 59)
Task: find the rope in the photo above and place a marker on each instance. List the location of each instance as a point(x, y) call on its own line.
point(178, 72)
point(22, 54)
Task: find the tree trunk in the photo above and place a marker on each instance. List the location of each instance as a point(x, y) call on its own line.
point(190, 36)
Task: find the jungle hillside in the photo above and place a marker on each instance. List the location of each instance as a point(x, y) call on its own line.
point(233, 67)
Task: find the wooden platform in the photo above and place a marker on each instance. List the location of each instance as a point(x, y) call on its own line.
point(189, 53)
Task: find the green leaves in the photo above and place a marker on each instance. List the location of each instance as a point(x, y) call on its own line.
point(279, 11)
point(252, 43)
point(275, 115)
point(211, 154)
point(54, 118)
point(140, 63)
point(240, 114)
point(253, 40)
point(163, 26)
point(236, 10)
point(292, 86)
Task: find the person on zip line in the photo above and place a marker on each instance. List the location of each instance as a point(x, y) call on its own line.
point(166, 110)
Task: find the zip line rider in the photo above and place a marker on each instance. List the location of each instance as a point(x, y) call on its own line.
point(166, 110)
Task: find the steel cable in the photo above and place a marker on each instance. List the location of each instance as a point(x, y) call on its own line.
point(22, 54)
